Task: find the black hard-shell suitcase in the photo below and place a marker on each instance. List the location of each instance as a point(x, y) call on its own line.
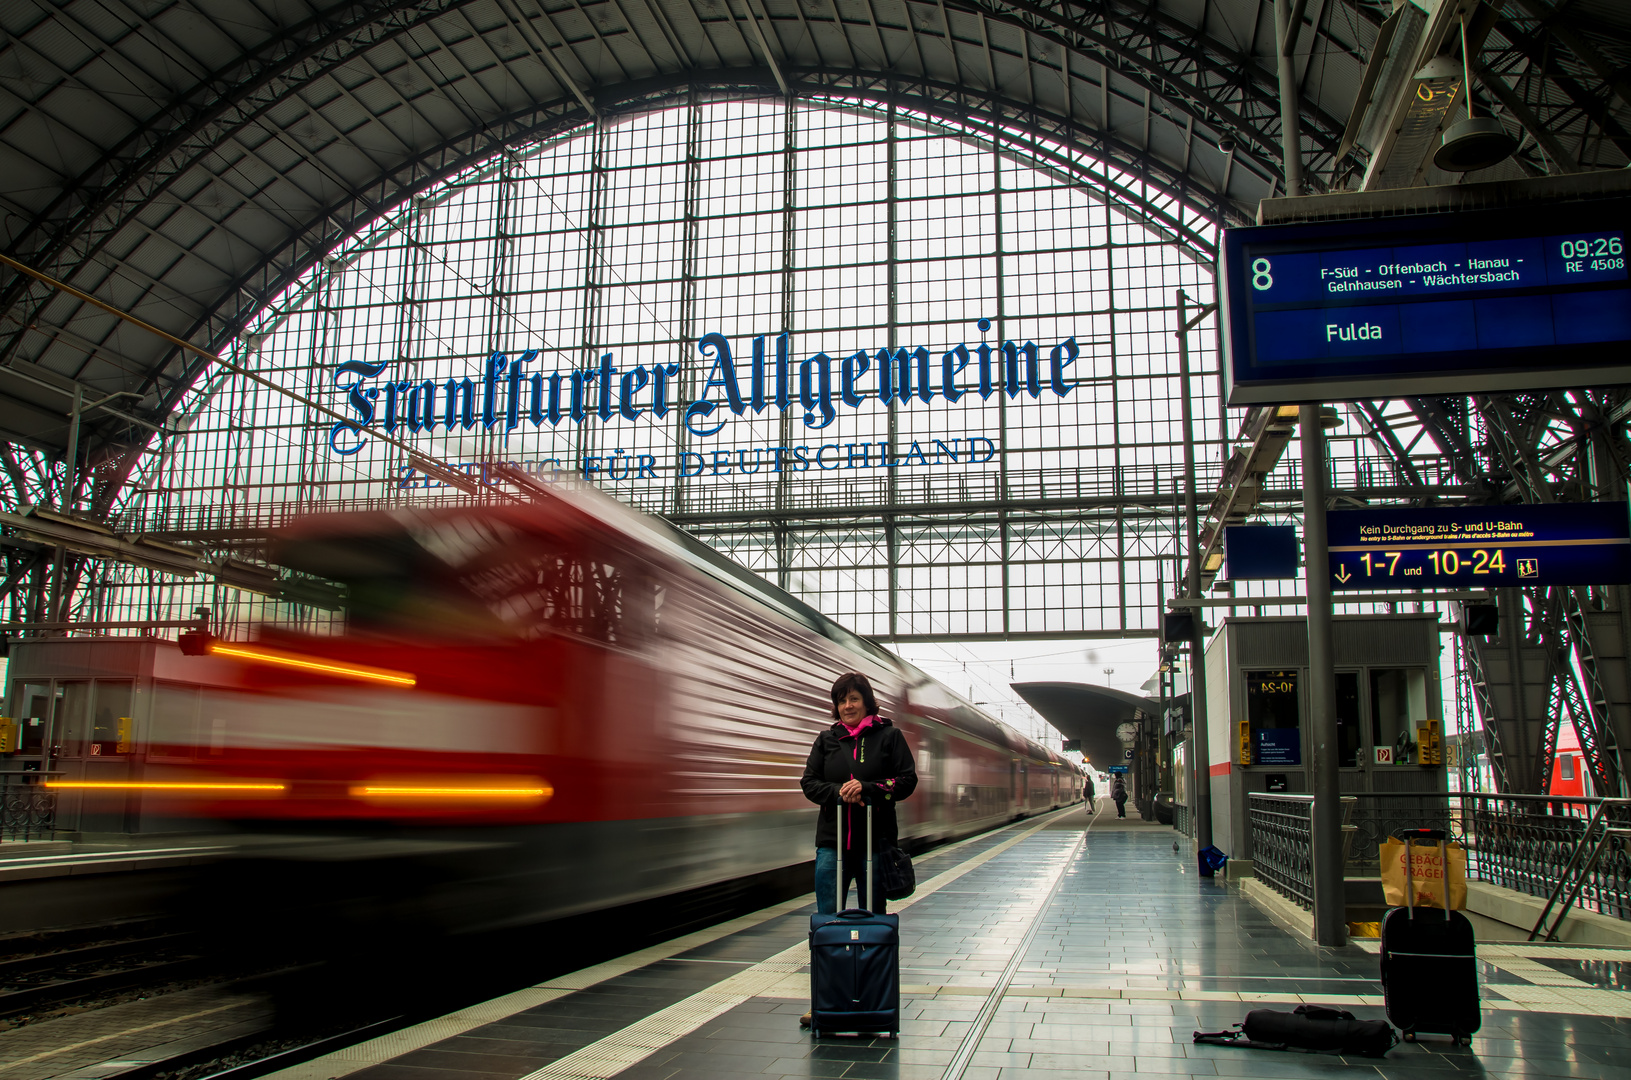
point(1429, 965)
point(855, 964)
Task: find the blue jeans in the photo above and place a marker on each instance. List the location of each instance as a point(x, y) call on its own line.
point(826, 881)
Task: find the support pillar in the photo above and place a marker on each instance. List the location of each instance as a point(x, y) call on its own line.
point(1291, 129)
point(1330, 899)
point(1201, 768)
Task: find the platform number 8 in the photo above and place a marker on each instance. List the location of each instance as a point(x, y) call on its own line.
point(1261, 278)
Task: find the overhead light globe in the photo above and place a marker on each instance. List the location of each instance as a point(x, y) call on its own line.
point(1474, 143)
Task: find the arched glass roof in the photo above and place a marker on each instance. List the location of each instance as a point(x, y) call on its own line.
point(916, 312)
point(190, 162)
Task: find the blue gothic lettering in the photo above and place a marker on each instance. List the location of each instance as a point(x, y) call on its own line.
point(507, 389)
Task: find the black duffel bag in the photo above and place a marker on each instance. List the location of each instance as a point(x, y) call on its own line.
point(1308, 1027)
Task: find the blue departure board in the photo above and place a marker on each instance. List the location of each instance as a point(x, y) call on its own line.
point(1437, 303)
point(1480, 546)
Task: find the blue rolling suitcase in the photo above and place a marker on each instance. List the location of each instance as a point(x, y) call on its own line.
point(855, 964)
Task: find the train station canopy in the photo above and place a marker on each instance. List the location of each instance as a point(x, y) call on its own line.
point(188, 162)
point(1088, 713)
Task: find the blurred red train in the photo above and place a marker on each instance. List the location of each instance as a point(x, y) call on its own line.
point(572, 703)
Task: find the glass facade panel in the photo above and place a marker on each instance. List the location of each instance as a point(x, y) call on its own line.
point(917, 323)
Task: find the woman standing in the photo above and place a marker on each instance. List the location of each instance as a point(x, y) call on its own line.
point(861, 761)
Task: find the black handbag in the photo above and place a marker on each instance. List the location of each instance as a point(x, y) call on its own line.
point(895, 874)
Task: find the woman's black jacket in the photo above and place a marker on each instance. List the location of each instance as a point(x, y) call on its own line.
point(882, 762)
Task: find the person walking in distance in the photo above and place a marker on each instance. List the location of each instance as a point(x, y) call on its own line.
point(1118, 792)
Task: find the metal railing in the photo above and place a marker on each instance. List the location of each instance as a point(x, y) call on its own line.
point(1528, 843)
point(28, 809)
point(1282, 828)
point(1283, 845)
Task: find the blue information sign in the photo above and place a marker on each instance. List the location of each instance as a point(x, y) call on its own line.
point(1259, 552)
point(1481, 546)
point(1279, 746)
point(1116, 769)
point(1437, 303)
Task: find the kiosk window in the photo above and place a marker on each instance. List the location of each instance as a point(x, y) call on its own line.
point(73, 711)
point(1350, 731)
point(1274, 716)
point(111, 720)
point(35, 718)
point(1398, 703)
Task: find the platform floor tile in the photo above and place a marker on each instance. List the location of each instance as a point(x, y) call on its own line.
point(1042, 952)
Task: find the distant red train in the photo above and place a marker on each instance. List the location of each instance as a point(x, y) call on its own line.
point(573, 703)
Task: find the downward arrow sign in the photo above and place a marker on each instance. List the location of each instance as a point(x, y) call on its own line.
point(1342, 574)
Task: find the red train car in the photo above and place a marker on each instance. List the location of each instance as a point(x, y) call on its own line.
point(568, 702)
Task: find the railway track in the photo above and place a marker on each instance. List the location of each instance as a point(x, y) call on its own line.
point(32, 982)
point(308, 1007)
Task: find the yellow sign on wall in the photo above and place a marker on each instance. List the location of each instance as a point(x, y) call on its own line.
point(8, 735)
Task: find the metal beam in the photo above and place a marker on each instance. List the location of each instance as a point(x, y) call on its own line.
point(769, 54)
point(546, 54)
point(1512, 103)
point(1291, 131)
point(1559, 25)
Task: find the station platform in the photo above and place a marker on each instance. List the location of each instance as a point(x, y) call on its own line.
point(1065, 946)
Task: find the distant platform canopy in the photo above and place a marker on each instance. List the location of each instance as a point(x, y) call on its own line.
point(1088, 713)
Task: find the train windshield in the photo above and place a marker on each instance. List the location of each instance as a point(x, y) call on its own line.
point(471, 576)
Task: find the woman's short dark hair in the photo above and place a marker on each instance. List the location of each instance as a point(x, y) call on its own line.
point(853, 680)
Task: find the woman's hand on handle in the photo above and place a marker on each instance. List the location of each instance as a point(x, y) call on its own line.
point(851, 791)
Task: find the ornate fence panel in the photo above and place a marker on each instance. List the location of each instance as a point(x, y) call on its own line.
point(1282, 845)
point(28, 809)
point(1379, 815)
point(1526, 842)
point(1519, 842)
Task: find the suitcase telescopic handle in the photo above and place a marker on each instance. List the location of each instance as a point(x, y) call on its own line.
point(1410, 836)
point(838, 887)
point(1409, 882)
point(863, 883)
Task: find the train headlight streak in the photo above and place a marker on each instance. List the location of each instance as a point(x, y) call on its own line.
point(541, 791)
point(164, 785)
point(313, 663)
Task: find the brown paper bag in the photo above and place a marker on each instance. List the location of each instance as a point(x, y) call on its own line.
point(1427, 874)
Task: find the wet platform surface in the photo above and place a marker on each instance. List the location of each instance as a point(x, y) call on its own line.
point(1044, 950)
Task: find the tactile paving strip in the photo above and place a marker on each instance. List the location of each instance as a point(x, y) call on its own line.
point(609, 1056)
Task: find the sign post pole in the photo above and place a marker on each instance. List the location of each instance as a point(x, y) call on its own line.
point(1330, 901)
point(1201, 767)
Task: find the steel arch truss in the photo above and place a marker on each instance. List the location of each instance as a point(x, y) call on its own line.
point(1561, 655)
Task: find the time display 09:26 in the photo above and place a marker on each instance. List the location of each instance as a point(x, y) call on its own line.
point(1446, 562)
point(1605, 252)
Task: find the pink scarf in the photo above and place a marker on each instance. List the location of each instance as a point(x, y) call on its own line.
point(866, 722)
point(855, 733)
